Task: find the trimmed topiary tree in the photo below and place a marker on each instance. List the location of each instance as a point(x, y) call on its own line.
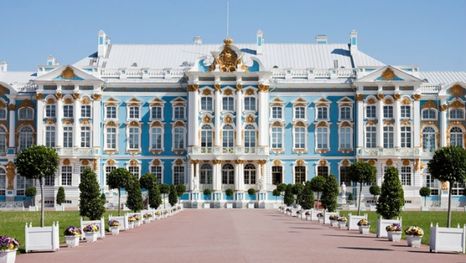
point(350, 198)
point(391, 198)
point(317, 185)
point(330, 193)
point(208, 192)
point(362, 172)
point(134, 200)
point(449, 165)
point(276, 193)
point(118, 179)
point(60, 195)
point(38, 162)
point(281, 188)
point(149, 182)
point(172, 196)
point(91, 204)
point(424, 192)
point(229, 192)
point(307, 197)
point(298, 192)
point(156, 199)
point(31, 192)
point(180, 189)
point(251, 191)
point(288, 199)
point(374, 190)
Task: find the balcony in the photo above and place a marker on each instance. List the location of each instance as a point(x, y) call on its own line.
point(382, 152)
point(220, 151)
point(79, 152)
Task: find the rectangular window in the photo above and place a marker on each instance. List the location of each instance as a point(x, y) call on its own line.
point(67, 136)
point(406, 175)
point(457, 189)
point(300, 138)
point(250, 103)
point(206, 104)
point(178, 142)
point(66, 175)
point(322, 170)
point(371, 112)
point(345, 113)
point(322, 113)
point(405, 112)
point(49, 180)
point(388, 112)
point(108, 170)
point(85, 111)
point(3, 113)
point(345, 138)
point(111, 138)
point(457, 114)
point(300, 113)
point(300, 174)
point(179, 112)
point(134, 112)
point(156, 139)
point(110, 112)
point(388, 140)
point(277, 135)
point(405, 137)
point(277, 175)
point(156, 112)
point(277, 112)
point(50, 111)
point(157, 172)
point(322, 138)
point(68, 111)
point(25, 114)
point(344, 175)
point(371, 137)
point(228, 104)
point(133, 138)
point(86, 136)
point(134, 171)
point(429, 114)
point(50, 136)
point(433, 184)
point(178, 174)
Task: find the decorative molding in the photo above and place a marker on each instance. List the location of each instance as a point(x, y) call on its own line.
point(388, 74)
point(417, 97)
point(380, 96)
point(193, 87)
point(11, 107)
point(359, 97)
point(263, 88)
point(396, 96)
point(10, 174)
point(96, 96)
point(443, 107)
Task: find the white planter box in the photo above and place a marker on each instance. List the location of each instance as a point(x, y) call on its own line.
point(321, 220)
point(353, 221)
point(313, 214)
point(364, 230)
point(41, 238)
point(327, 216)
point(8, 256)
point(123, 220)
point(115, 230)
point(130, 225)
point(72, 241)
point(414, 241)
point(250, 205)
point(342, 225)
point(100, 223)
point(444, 239)
point(91, 236)
point(383, 223)
point(206, 205)
point(334, 223)
point(394, 236)
point(229, 205)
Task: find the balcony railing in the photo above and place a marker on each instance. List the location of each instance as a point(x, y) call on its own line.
point(402, 152)
point(77, 151)
point(237, 150)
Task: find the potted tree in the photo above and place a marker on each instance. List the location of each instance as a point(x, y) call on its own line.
point(375, 191)
point(134, 200)
point(362, 172)
point(330, 193)
point(207, 197)
point(91, 232)
point(424, 192)
point(252, 196)
point(288, 198)
point(148, 182)
point(31, 193)
point(390, 202)
point(60, 198)
point(317, 185)
point(117, 179)
point(91, 204)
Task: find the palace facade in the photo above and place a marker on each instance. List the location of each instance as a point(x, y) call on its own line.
point(231, 116)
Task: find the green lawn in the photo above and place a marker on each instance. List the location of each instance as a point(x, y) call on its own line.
point(418, 218)
point(13, 223)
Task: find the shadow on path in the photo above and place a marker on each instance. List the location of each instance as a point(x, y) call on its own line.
point(367, 248)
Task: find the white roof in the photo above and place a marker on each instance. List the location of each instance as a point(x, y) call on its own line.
point(443, 77)
point(19, 80)
point(295, 56)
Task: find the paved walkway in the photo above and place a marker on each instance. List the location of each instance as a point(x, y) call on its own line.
point(239, 236)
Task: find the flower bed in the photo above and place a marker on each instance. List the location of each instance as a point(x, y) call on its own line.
point(114, 226)
point(100, 223)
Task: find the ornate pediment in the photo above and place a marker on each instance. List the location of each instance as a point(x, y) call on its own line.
point(227, 60)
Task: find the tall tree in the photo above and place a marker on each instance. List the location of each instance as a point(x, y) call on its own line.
point(449, 165)
point(391, 199)
point(288, 199)
point(317, 185)
point(91, 204)
point(307, 197)
point(134, 200)
point(61, 195)
point(362, 172)
point(38, 162)
point(330, 193)
point(118, 179)
point(172, 195)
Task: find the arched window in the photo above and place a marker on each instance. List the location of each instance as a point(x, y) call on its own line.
point(299, 174)
point(206, 104)
point(25, 138)
point(388, 137)
point(300, 137)
point(456, 136)
point(322, 170)
point(2, 181)
point(50, 136)
point(2, 113)
point(178, 140)
point(249, 174)
point(228, 138)
point(429, 114)
point(277, 137)
point(2, 140)
point(345, 138)
point(428, 139)
point(322, 138)
point(206, 174)
point(26, 114)
point(228, 174)
point(133, 141)
point(249, 139)
point(206, 139)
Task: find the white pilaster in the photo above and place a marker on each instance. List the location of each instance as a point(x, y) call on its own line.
point(443, 123)
point(218, 110)
point(217, 176)
point(237, 176)
point(191, 175)
point(239, 115)
point(76, 124)
point(59, 109)
point(417, 123)
point(263, 114)
point(96, 121)
point(380, 123)
point(360, 123)
point(397, 129)
point(241, 176)
point(40, 123)
point(12, 122)
point(193, 137)
point(197, 173)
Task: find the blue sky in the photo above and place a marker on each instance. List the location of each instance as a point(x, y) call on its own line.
point(430, 34)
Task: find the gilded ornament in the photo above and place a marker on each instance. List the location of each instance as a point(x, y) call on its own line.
point(227, 60)
point(405, 162)
point(217, 87)
point(277, 163)
point(371, 101)
point(250, 119)
point(380, 96)
point(239, 87)
point(76, 95)
point(389, 162)
point(371, 162)
point(457, 90)
point(263, 88)
point(96, 96)
point(110, 162)
point(10, 174)
point(11, 107)
point(66, 162)
point(133, 162)
point(345, 163)
point(388, 74)
point(206, 119)
point(193, 87)
point(443, 107)
point(406, 101)
point(68, 73)
point(396, 96)
point(227, 92)
point(429, 104)
point(417, 97)
point(85, 162)
point(228, 119)
point(300, 162)
point(249, 92)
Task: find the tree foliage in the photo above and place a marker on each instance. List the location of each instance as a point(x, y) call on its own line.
point(155, 199)
point(374, 190)
point(288, 199)
point(164, 188)
point(118, 179)
point(180, 189)
point(307, 197)
point(330, 193)
point(60, 195)
point(317, 185)
point(449, 165)
point(281, 187)
point(37, 162)
point(91, 204)
point(391, 199)
point(172, 196)
point(229, 192)
point(134, 200)
point(362, 172)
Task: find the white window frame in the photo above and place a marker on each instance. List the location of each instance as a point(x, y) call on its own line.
point(373, 109)
point(350, 109)
point(86, 111)
point(327, 138)
point(129, 140)
point(299, 112)
point(320, 110)
point(273, 112)
point(151, 138)
point(68, 139)
point(429, 110)
point(340, 137)
point(28, 111)
point(174, 146)
point(160, 107)
point(107, 112)
point(106, 137)
point(132, 109)
point(86, 137)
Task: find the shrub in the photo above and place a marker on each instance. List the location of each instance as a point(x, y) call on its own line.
point(229, 192)
point(281, 187)
point(155, 199)
point(60, 195)
point(164, 188)
point(276, 192)
point(330, 193)
point(392, 196)
point(362, 172)
point(31, 192)
point(118, 179)
point(424, 192)
point(317, 185)
point(91, 204)
point(173, 195)
point(374, 190)
point(207, 191)
point(307, 197)
point(180, 189)
point(288, 199)
point(251, 191)
point(134, 200)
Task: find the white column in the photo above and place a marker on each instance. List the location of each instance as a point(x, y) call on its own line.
point(239, 115)
point(241, 176)
point(96, 121)
point(397, 129)
point(197, 173)
point(76, 124)
point(193, 97)
point(360, 122)
point(417, 123)
point(217, 176)
point(12, 123)
point(59, 109)
point(263, 115)
point(191, 175)
point(380, 123)
point(443, 122)
point(218, 110)
point(237, 176)
point(40, 123)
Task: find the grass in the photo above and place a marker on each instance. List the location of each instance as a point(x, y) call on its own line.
point(13, 223)
point(418, 218)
